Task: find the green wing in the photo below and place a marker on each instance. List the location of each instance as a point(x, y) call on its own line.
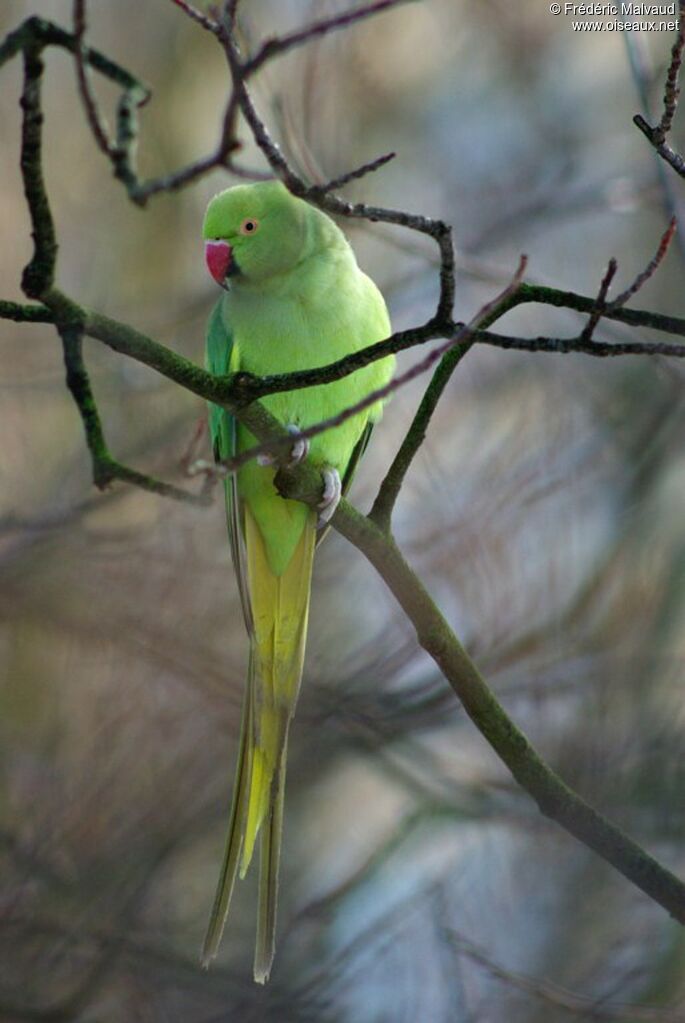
point(218, 350)
point(223, 429)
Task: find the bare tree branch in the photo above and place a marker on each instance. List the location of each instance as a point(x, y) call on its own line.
point(650, 269)
point(354, 175)
point(22, 313)
point(105, 468)
point(253, 388)
point(553, 797)
point(230, 12)
point(665, 151)
point(672, 87)
point(600, 302)
point(450, 355)
point(95, 119)
point(657, 135)
point(197, 16)
point(557, 996)
point(575, 345)
point(281, 44)
point(39, 273)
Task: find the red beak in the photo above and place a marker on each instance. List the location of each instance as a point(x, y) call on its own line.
point(218, 256)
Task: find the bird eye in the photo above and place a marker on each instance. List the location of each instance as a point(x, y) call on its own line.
point(249, 226)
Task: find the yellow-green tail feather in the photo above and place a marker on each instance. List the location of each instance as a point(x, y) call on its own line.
point(280, 608)
point(236, 830)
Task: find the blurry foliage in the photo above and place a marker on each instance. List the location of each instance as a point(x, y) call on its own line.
point(544, 512)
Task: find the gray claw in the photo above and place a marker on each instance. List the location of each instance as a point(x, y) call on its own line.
point(300, 448)
point(330, 499)
point(209, 469)
point(298, 452)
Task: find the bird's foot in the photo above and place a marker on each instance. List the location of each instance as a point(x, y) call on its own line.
point(298, 451)
point(330, 499)
point(202, 467)
point(300, 448)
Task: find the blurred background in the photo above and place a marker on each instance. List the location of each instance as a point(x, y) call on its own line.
point(544, 513)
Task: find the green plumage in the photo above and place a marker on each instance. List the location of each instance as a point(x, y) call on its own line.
point(296, 299)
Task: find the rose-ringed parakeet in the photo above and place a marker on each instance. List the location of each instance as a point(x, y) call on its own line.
point(294, 298)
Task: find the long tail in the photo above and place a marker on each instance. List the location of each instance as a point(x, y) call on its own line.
point(280, 608)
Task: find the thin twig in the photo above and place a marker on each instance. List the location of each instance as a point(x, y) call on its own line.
point(642, 70)
point(220, 157)
point(561, 299)
point(560, 997)
point(230, 12)
point(650, 269)
point(672, 88)
point(576, 345)
point(198, 16)
point(666, 152)
point(177, 180)
point(95, 119)
point(600, 301)
point(281, 44)
point(105, 468)
point(354, 175)
point(37, 33)
point(450, 356)
point(657, 135)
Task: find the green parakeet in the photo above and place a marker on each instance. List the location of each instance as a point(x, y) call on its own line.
point(294, 298)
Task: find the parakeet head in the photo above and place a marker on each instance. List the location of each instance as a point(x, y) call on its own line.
point(253, 232)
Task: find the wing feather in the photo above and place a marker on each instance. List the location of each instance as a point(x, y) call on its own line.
point(224, 431)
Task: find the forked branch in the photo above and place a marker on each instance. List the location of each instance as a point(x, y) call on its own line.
point(657, 135)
